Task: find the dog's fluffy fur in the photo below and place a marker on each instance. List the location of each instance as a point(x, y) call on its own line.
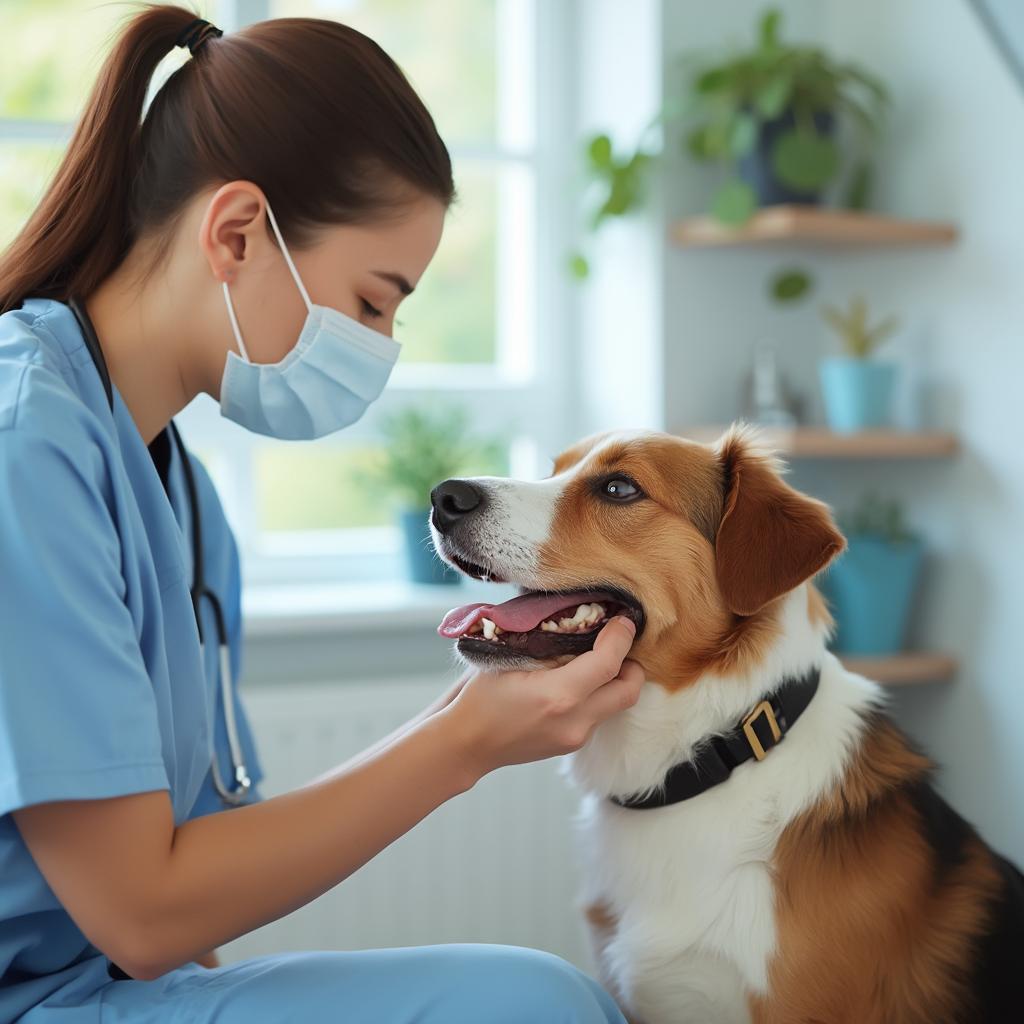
point(826, 883)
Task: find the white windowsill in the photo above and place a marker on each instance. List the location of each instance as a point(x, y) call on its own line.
point(291, 609)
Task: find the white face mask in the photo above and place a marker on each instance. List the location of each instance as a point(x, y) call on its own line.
point(326, 382)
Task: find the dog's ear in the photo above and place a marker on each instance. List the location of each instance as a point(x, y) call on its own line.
point(771, 538)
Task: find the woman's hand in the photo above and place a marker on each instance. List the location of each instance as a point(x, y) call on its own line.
point(507, 718)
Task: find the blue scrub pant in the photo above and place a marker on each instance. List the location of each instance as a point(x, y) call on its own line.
point(447, 984)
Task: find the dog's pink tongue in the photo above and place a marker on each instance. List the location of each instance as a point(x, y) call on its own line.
point(516, 616)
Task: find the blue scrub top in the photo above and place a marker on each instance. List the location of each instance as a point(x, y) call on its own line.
point(103, 689)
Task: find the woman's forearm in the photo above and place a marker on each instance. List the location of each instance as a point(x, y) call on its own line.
point(375, 748)
point(232, 872)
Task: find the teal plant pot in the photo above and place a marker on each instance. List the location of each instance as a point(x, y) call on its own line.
point(423, 562)
point(871, 590)
point(857, 393)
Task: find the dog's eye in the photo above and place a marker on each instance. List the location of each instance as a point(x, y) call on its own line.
point(618, 488)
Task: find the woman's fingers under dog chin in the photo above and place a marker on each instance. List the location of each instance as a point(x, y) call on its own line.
point(615, 696)
point(596, 667)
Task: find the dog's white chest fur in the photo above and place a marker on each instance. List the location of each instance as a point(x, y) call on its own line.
point(690, 883)
point(691, 887)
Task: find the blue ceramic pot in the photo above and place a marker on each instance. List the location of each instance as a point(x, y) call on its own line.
point(423, 562)
point(871, 589)
point(857, 393)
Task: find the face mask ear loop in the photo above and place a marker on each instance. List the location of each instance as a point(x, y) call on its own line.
point(288, 258)
point(234, 323)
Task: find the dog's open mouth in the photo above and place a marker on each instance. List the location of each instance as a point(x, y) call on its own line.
point(539, 624)
point(477, 572)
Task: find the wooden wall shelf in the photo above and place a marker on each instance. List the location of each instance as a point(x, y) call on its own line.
point(813, 225)
point(903, 669)
point(821, 443)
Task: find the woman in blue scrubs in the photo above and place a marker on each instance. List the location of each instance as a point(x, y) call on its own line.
point(250, 239)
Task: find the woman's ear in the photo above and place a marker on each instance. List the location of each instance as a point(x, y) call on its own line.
point(771, 537)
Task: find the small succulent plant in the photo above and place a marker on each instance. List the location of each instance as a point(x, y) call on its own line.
point(859, 338)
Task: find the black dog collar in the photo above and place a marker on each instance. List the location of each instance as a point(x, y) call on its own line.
point(763, 728)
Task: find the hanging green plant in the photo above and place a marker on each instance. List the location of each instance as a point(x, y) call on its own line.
point(617, 187)
point(734, 202)
point(769, 118)
point(790, 285)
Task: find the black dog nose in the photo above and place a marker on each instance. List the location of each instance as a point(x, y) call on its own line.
point(453, 500)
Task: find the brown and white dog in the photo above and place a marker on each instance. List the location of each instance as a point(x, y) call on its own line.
point(822, 880)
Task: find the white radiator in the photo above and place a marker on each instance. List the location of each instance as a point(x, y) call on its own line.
point(496, 864)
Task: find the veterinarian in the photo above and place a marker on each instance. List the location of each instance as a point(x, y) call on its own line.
point(250, 241)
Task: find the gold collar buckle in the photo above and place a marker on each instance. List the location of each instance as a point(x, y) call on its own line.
point(764, 708)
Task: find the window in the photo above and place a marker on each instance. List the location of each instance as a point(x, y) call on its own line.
point(471, 333)
point(50, 62)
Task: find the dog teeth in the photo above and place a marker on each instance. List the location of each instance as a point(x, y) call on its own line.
point(489, 629)
point(584, 618)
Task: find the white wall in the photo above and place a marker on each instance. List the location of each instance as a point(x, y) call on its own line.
point(955, 151)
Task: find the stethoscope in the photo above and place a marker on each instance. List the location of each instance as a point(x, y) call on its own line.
point(240, 792)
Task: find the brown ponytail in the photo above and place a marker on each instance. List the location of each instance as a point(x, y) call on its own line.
point(312, 111)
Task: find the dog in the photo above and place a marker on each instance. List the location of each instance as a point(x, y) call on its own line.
point(761, 843)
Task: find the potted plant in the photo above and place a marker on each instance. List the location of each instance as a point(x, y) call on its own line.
point(423, 447)
point(857, 390)
point(771, 115)
point(872, 586)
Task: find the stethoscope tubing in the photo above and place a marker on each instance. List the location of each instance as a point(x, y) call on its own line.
point(239, 791)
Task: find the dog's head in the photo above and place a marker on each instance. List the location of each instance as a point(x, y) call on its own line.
point(694, 543)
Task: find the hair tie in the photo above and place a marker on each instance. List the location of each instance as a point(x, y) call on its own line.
point(195, 33)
